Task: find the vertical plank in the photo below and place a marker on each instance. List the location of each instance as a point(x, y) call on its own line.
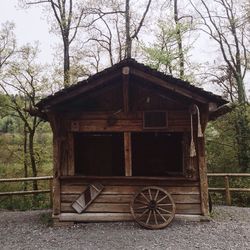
point(125, 86)
point(127, 154)
point(71, 158)
point(57, 173)
point(227, 190)
point(203, 176)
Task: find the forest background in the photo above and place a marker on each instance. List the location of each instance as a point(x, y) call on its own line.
point(204, 42)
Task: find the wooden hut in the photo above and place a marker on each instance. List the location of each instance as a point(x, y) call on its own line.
point(124, 129)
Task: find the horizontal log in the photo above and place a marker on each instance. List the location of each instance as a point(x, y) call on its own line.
point(67, 189)
point(27, 179)
point(24, 192)
point(128, 181)
point(230, 189)
point(102, 198)
point(228, 174)
point(125, 208)
point(112, 217)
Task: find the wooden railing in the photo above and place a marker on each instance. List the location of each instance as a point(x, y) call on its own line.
point(226, 187)
point(25, 192)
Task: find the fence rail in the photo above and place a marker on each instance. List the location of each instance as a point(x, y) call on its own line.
point(226, 187)
point(28, 192)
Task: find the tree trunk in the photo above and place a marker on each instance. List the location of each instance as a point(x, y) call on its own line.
point(179, 40)
point(242, 134)
point(127, 26)
point(66, 62)
point(25, 154)
point(32, 158)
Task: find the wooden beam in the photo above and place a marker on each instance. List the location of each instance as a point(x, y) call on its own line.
point(80, 90)
point(170, 86)
point(125, 87)
point(94, 217)
point(71, 156)
point(203, 176)
point(128, 154)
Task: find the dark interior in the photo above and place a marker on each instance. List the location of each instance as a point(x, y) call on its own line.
point(99, 154)
point(157, 154)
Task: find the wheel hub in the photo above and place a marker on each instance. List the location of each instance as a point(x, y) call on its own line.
point(152, 205)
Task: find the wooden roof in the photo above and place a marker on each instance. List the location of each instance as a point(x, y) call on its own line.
point(137, 69)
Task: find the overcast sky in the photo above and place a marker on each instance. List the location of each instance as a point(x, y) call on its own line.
point(30, 27)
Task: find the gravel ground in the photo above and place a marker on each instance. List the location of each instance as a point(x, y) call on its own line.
point(229, 229)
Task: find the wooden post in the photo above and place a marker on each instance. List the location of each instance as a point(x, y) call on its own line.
point(51, 192)
point(203, 176)
point(127, 154)
point(125, 79)
point(227, 191)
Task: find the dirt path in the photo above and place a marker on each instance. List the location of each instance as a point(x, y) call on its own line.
point(229, 229)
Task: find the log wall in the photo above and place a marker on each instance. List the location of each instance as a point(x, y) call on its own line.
point(113, 204)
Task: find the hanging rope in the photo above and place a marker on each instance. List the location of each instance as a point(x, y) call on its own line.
point(192, 145)
point(194, 109)
point(200, 134)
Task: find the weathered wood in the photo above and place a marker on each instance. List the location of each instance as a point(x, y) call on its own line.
point(27, 179)
point(95, 217)
point(162, 83)
point(112, 217)
point(25, 192)
point(179, 198)
point(230, 189)
point(73, 189)
point(227, 191)
point(178, 121)
point(128, 154)
point(85, 88)
point(71, 154)
point(203, 176)
point(125, 208)
point(229, 174)
point(125, 87)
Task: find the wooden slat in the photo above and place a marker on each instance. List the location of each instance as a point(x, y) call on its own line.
point(128, 189)
point(181, 198)
point(125, 208)
point(128, 154)
point(71, 156)
point(173, 87)
point(130, 181)
point(94, 217)
point(203, 176)
point(109, 217)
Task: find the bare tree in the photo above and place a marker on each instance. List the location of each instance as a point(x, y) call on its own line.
point(226, 23)
point(22, 82)
point(68, 15)
point(7, 43)
point(130, 36)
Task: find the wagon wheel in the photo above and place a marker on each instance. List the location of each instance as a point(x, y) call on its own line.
point(153, 207)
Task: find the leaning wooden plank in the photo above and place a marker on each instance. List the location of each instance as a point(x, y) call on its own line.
point(87, 197)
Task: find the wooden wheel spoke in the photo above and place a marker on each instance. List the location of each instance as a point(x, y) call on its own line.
point(156, 221)
point(164, 210)
point(141, 215)
point(164, 197)
point(153, 207)
point(156, 195)
point(150, 195)
point(149, 215)
point(144, 196)
point(141, 202)
point(165, 204)
point(157, 211)
point(143, 207)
